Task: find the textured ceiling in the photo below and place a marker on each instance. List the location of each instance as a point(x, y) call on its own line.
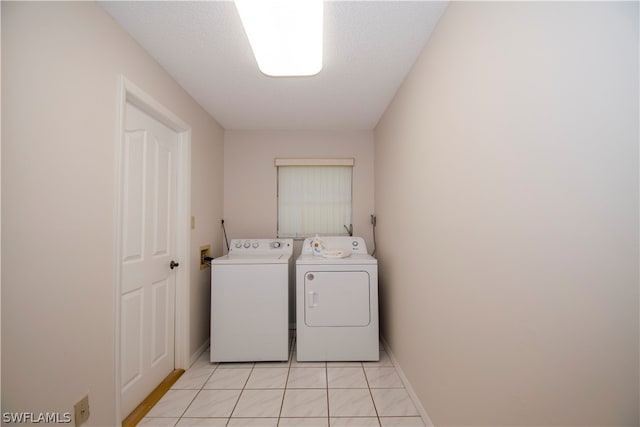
point(369, 47)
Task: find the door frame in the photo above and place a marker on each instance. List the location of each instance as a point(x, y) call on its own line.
point(129, 92)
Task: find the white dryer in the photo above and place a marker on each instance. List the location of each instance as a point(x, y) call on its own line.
point(336, 301)
point(250, 301)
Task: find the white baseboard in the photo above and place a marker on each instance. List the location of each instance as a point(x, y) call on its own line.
point(198, 352)
point(407, 385)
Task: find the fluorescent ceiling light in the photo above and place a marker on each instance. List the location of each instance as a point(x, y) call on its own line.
point(285, 35)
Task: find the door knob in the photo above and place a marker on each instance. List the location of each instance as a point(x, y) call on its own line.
point(173, 264)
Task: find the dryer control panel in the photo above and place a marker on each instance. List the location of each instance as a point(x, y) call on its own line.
point(355, 245)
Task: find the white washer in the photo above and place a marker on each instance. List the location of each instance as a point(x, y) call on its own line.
point(337, 302)
point(250, 301)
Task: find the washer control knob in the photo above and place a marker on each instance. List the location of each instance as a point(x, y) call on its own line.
point(247, 244)
point(238, 245)
point(276, 245)
point(255, 244)
point(354, 243)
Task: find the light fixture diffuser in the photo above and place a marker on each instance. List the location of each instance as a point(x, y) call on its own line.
point(285, 35)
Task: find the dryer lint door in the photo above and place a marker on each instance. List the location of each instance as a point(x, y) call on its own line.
point(337, 298)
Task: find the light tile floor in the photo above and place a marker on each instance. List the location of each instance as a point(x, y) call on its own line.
point(287, 394)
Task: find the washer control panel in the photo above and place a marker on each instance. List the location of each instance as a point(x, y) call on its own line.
point(254, 246)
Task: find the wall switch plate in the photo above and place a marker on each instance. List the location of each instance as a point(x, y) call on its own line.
point(82, 410)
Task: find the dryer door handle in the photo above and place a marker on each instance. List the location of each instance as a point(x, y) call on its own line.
point(312, 299)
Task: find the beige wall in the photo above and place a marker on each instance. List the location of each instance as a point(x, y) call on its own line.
point(507, 202)
point(61, 62)
point(250, 177)
point(250, 180)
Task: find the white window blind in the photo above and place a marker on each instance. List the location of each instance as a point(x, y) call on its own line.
point(314, 200)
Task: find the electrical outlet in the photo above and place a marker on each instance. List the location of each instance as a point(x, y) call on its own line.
point(82, 410)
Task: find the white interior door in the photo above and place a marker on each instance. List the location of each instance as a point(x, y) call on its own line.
point(147, 297)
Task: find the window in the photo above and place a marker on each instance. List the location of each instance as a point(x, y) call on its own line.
point(314, 197)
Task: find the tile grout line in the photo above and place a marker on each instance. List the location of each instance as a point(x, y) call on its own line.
point(326, 376)
point(286, 381)
point(194, 398)
point(375, 408)
point(253, 366)
point(200, 390)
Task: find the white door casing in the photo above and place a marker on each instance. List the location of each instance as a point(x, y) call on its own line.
point(151, 298)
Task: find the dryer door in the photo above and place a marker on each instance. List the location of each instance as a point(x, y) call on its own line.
point(337, 298)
